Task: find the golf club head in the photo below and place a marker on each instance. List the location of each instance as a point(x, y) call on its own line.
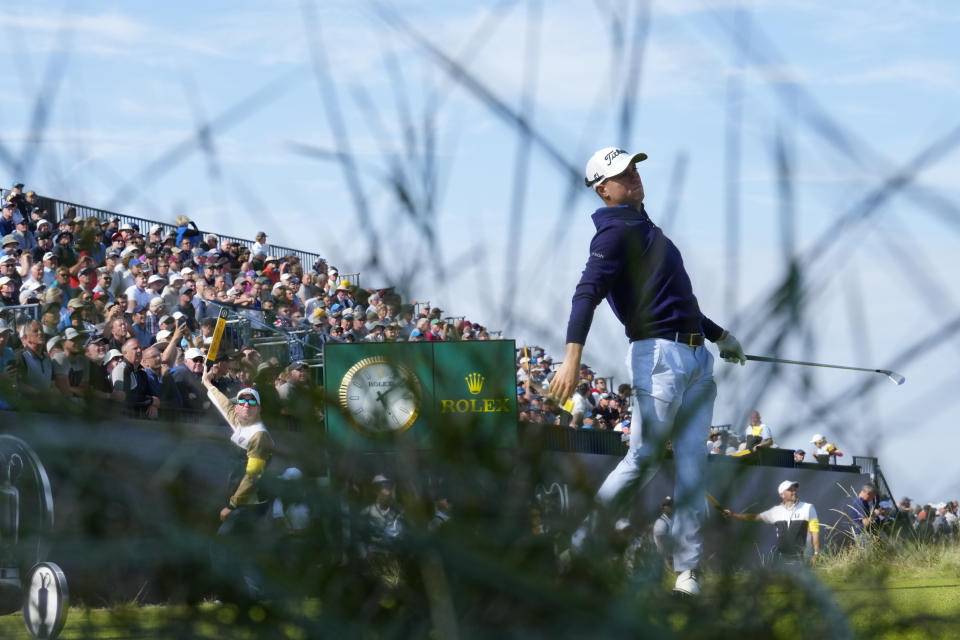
point(895, 377)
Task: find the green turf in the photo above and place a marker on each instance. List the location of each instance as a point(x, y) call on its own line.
point(904, 604)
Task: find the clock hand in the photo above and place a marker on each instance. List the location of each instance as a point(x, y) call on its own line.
point(382, 394)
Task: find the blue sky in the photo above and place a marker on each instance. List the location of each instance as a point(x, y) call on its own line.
point(138, 79)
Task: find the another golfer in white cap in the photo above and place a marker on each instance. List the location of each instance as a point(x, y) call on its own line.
point(793, 519)
point(640, 273)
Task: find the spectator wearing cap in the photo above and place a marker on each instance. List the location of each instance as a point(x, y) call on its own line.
point(71, 369)
point(187, 390)
point(757, 434)
point(130, 378)
point(605, 410)
point(358, 328)
point(435, 331)
point(9, 246)
point(825, 452)
point(252, 437)
point(33, 369)
point(376, 333)
point(391, 333)
point(44, 243)
point(24, 235)
point(54, 346)
point(63, 248)
point(155, 310)
point(96, 350)
point(297, 382)
point(8, 268)
point(271, 269)
point(187, 308)
point(171, 292)
point(138, 323)
point(85, 280)
point(793, 520)
point(9, 296)
point(259, 243)
point(7, 223)
point(798, 457)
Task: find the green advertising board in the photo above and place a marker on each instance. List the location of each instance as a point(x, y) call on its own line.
point(421, 394)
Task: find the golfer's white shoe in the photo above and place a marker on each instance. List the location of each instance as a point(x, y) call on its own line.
point(688, 582)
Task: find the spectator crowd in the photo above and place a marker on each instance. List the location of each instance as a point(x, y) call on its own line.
point(96, 309)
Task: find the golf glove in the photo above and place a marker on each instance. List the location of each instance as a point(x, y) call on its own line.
point(730, 349)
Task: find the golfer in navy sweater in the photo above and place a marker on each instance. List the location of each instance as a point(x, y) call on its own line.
point(640, 273)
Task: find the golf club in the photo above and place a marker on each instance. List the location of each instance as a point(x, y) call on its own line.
point(895, 377)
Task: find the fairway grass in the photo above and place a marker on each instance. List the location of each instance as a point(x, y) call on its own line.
point(906, 603)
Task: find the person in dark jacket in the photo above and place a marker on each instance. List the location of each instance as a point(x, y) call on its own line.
point(640, 273)
point(130, 378)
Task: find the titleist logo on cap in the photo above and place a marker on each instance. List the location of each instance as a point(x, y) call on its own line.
point(613, 154)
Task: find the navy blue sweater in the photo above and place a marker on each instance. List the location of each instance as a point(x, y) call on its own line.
point(640, 273)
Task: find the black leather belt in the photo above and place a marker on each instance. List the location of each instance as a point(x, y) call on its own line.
point(689, 339)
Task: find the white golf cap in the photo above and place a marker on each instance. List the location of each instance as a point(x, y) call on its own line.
point(54, 341)
point(248, 391)
point(175, 277)
point(156, 278)
point(786, 484)
point(163, 335)
point(192, 353)
point(113, 353)
point(178, 314)
point(609, 162)
point(70, 334)
point(817, 437)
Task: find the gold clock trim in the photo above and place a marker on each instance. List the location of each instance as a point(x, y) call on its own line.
point(359, 366)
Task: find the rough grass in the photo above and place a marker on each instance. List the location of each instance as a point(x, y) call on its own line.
point(888, 590)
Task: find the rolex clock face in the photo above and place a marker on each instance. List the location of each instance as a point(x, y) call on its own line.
point(380, 397)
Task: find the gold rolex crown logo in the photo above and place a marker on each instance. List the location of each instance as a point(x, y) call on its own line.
point(475, 383)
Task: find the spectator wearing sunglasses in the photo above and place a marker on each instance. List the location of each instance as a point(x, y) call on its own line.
point(251, 436)
point(187, 390)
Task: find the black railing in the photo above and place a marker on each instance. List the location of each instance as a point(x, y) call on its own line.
point(59, 208)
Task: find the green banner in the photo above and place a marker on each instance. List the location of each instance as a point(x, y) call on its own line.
point(421, 394)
